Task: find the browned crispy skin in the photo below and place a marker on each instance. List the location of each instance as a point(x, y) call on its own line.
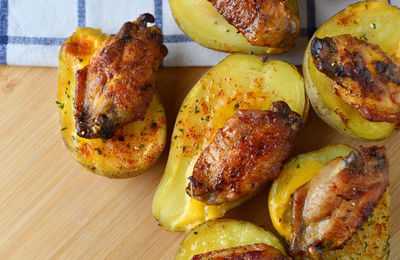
point(364, 76)
point(329, 209)
point(118, 84)
point(272, 23)
point(256, 251)
point(244, 154)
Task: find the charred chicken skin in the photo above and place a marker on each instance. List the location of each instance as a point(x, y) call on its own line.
point(118, 84)
point(244, 154)
point(270, 23)
point(364, 76)
point(249, 252)
point(330, 208)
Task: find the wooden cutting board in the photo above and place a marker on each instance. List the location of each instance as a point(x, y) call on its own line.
point(50, 207)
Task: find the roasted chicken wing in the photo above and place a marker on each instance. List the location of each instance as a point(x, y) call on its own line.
point(330, 208)
point(117, 85)
point(244, 154)
point(249, 252)
point(364, 76)
point(273, 23)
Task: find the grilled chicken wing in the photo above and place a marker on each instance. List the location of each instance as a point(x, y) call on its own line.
point(249, 252)
point(270, 23)
point(116, 87)
point(330, 208)
point(244, 154)
point(364, 76)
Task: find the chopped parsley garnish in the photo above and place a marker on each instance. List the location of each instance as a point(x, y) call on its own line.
point(207, 118)
point(153, 125)
point(80, 59)
point(64, 128)
point(298, 166)
point(181, 130)
point(59, 104)
point(373, 25)
point(99, 151)
point(236, 105)
point(196, 110)
point(364, 37)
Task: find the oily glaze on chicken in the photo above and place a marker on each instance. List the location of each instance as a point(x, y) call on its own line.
point(244, 154)
point(330, 208)
point(272, 23)
point(364, 76)
point(259, 251)
point(116, 87)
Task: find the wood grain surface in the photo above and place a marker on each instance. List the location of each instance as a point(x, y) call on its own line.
point(50, 207)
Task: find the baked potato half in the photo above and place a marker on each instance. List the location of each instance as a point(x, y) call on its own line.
point(371, 241)
point(224, 233)
point(238, 82)
point(375, 22)
point(202, 22)
point(134, 147)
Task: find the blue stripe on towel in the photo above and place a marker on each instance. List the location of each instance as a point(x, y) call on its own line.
point(311, 20)
point(81, 13)
point(3, 31)
point(158, 13)
point(23, 40)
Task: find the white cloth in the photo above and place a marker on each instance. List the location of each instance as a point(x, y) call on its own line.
point(31, 32)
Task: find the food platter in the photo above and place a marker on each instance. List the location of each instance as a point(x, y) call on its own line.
point(52, 207)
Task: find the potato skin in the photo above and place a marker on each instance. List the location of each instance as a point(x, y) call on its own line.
point(224, 233)
point(372, 239)
point(238, 82)
point(134, 147)
point(200, 20)
point(366, 20)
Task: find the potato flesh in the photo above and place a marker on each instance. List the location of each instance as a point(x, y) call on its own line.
point(200, 20)
point(222, 234)
point(380, 24)
point(370, 242)
point(143, 140)
point(239, 81)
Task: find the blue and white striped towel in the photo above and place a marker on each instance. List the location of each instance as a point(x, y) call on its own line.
point(31, 32)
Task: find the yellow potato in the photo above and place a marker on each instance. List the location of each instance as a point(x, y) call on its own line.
point(240, 81)
point(379, 23)
point(142, 142)
point(370, 242)
point(224, 233)
point(200, 20)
